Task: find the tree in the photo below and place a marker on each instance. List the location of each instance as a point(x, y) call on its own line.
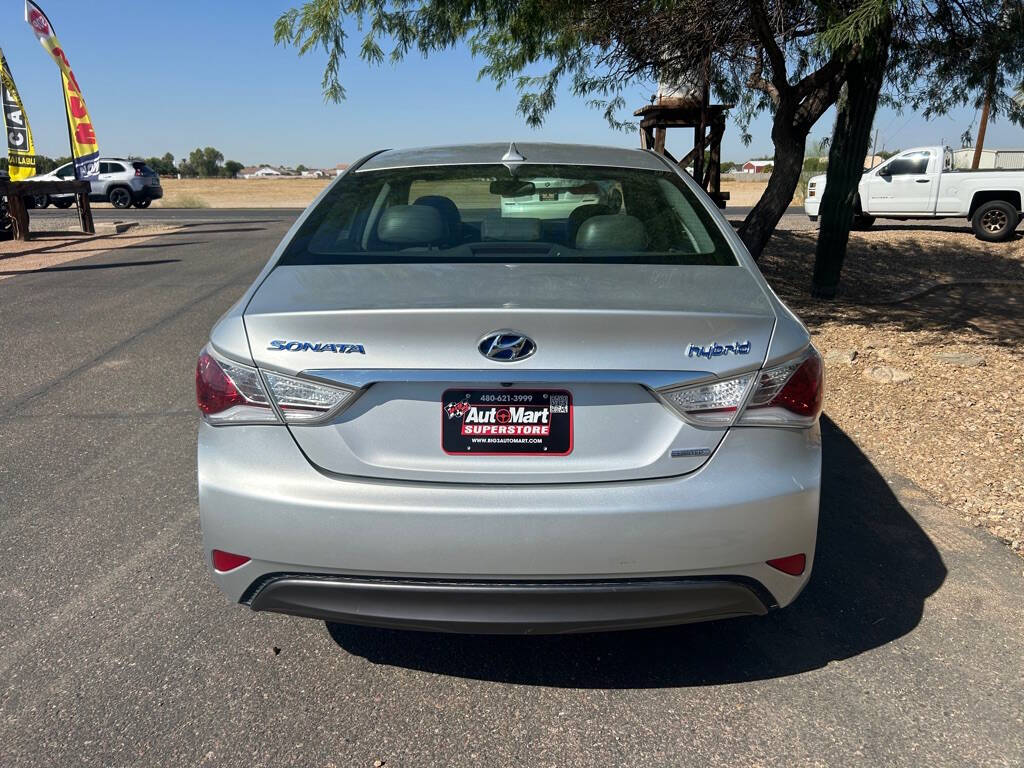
point(762, 54)
point(231, 169)
point(205, 162)
point(301, 168)
point(868, 33)
point(164, 166)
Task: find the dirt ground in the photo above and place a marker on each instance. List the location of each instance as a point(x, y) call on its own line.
point(48, 250)
point(924, 361)
point(298, 193)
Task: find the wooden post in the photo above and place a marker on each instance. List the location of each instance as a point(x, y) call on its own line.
point(85, 213)
point(19, 216)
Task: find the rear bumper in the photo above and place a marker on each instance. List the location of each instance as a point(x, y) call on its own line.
point(148, 193)
point(811, 205)
point(756, 499)
point(516, 608)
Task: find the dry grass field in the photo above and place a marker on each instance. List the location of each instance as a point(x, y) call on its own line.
point(239, 193)
point(298, 193)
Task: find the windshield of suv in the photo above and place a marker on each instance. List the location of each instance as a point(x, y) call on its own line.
point(473, 213)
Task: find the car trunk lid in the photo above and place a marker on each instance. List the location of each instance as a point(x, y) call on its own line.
point(606, 336)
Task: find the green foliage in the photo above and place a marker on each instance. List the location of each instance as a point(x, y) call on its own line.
point(814, 165)
point(203, 162)
point(164, 166)
point(231, 169)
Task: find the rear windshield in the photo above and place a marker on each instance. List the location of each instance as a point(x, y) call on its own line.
point(144, 169)
point(480, 213)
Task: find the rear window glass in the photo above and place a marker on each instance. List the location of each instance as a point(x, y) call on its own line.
point(144, 169)
point(476, 213)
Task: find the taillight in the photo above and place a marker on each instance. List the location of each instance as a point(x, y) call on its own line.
point(710, 405)
point(138, 172)
point(231, 393)
point(787, 395)
point(303, 401)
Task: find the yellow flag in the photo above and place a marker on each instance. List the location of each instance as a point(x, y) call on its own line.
point(21, 152)
point(84, 149)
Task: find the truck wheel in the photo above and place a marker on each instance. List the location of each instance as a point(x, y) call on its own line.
point(120, 197)
point(862, 221)
point(144, 203)
point(994, 221)
point(813, 219)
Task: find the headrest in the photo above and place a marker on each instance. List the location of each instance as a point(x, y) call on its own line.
point(445, 206)
point(517, 230)
point(411, 225)
point(615, 232)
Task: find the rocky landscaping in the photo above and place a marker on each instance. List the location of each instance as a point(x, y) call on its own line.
point(924, 363)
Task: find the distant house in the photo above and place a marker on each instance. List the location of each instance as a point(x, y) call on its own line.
point(340, 168)
point(259, 172)
point(758, 166)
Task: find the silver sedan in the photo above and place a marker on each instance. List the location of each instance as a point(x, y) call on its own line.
point(432, 412)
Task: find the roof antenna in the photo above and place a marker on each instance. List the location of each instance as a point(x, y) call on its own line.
point(512, 157)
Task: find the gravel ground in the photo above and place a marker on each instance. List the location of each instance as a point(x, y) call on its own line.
point(47, 250)
point(923, 360)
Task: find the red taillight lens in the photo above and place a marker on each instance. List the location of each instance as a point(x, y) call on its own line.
point(231, 393)
point(802, 394)
point(138, 172)
point(227, 561)
point(215, 392)
point(794, 565)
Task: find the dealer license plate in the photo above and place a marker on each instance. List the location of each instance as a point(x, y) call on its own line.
point(520, 422)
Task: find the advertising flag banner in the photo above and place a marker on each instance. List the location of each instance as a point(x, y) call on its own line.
point(21, 152)
point(84, 149)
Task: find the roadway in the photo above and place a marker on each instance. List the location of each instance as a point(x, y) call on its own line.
point(906, 648)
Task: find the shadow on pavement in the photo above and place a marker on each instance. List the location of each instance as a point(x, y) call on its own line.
point(83, 267)
point(873, 570)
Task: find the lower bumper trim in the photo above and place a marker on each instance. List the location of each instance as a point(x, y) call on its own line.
point(509, 608)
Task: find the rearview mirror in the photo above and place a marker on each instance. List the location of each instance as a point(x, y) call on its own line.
point(512, 188)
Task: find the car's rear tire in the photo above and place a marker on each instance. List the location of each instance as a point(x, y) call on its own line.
point(862, 221)
point(813, 219)
point(39, 201)
point(120, 197)
point(994, 221)
point(6, 225)
point(142, 203)
point(63, 203)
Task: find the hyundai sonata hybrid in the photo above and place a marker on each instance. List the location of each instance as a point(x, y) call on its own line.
point(433, 410)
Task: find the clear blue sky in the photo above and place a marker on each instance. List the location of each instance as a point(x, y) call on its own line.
point(170, 76)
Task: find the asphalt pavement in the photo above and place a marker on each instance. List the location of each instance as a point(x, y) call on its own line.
point(907, 647)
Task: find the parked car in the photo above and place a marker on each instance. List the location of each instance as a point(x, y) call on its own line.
point(122, 183)
point(6, 225)
point(425, 414)
point(921, 183)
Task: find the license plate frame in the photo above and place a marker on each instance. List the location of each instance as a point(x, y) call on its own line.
point(506, 421)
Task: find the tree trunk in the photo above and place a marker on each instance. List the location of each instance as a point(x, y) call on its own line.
point(789, 142)
point(851, 136)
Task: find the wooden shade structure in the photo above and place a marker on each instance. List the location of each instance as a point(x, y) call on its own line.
point(708, 124)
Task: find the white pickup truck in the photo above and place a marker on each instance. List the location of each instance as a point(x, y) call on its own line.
point(921, 183)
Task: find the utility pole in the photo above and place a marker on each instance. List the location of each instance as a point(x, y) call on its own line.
point(873, 145)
